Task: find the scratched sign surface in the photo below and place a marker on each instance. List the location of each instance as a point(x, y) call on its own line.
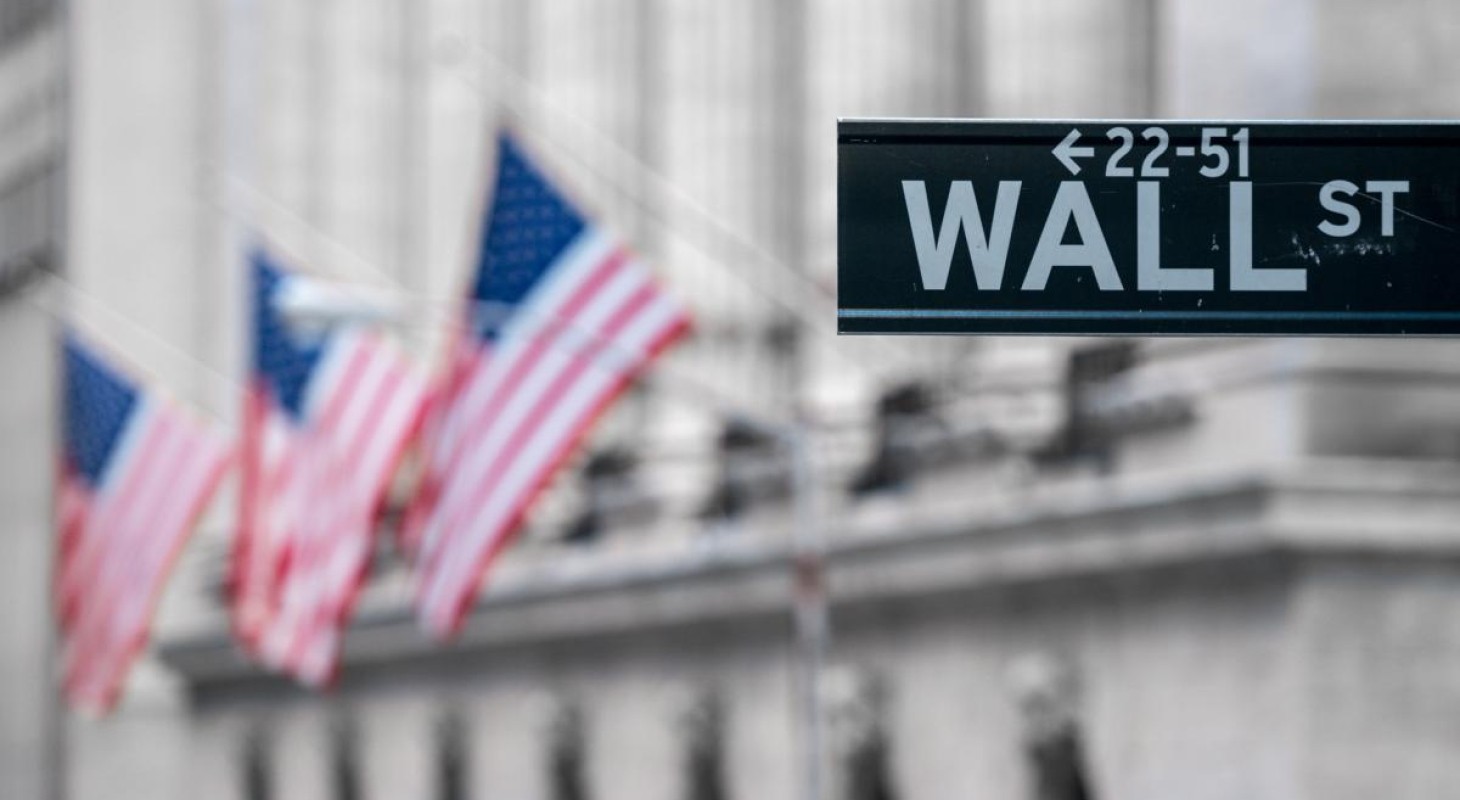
point(1128, 227)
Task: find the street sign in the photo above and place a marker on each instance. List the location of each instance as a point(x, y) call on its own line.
point(1125, 227)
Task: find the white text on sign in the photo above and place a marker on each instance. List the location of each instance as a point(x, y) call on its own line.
point(1218, 155)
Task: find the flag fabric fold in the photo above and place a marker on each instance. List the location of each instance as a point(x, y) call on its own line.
point(560, 318)
point(328, 415)
point(137, 471)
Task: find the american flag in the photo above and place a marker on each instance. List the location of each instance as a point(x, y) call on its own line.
point(136, 472)
point(562, 317)
point(328, 414)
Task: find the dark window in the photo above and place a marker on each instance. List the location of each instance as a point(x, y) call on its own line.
point(751, 470)
point(904, 416)
point(19, 17)
point(1047, 691)
point(1057, 764)
point(868, 774)
point(258, 768)
point(858, 712)
point(608, 481)
point(866, 762)
point(27, 211)
point(1083, 435)
point(567, 755)
point(705, 750)
point(345, 760)
point(451, 758)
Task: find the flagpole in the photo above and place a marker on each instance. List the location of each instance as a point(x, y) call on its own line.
point(808, 550)
point(57, 740)
point(57, 744)
point(809, 606)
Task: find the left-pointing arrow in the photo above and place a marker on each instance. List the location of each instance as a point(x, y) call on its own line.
point(1067, 152)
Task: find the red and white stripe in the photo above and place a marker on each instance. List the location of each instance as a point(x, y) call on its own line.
point(313, 501)
point(521, 405)
point(119, 542)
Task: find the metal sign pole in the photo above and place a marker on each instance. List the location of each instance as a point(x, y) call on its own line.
point(809, 602)
point(57, 748)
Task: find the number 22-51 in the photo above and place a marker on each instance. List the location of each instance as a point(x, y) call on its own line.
point(1215, 155)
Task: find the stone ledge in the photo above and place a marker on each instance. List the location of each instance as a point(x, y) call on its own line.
point(1402, 509)
point(1186, 369)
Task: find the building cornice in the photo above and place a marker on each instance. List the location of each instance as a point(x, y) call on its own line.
point(1337, 507)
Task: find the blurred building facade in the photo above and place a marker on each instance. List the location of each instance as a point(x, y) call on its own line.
point(1197, 569)
point(32, 86)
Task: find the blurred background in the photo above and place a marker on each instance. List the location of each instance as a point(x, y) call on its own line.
point(1054, 569)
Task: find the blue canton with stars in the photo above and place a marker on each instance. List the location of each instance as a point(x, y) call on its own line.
point(98, 403)
point(527, 227)
point(280, 359)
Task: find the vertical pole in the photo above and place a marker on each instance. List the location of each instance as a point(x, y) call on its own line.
point(57, 745)
point(516, 45)
point(810, 612)
point(237, 37)
point(965, 19)
point(57, 739)
point(321, 40)
point(790, 98)
point(652, 119)
point(1151, 26)
point(412, 243)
